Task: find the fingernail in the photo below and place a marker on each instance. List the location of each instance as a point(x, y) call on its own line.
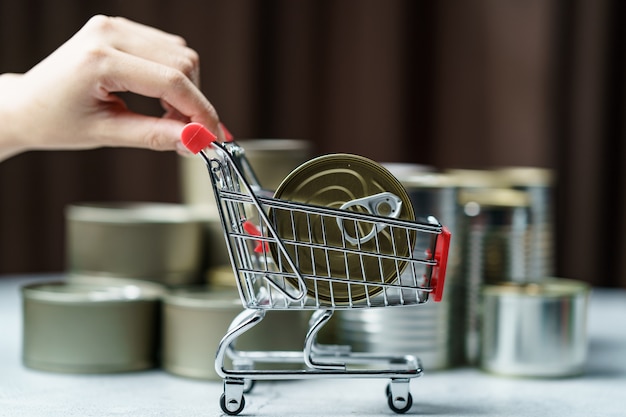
point(228, 137)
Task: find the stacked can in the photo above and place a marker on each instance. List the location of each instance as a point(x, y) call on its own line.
point(156, 242)
point(433, 332)
point(495, 238)
point(538, 184)
point(91, 325)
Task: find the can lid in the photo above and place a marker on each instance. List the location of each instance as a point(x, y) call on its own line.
point(476, 178)
point(117, 291)
point(132, 213)
point(331, 181)
point(526, 176)
point(494, 197)
point(203, 297)
point(547, 288)
point(430, 180)
point(274, 145)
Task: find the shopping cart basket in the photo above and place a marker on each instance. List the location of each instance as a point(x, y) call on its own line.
point(284, 258)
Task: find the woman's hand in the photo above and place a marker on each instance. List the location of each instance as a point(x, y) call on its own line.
point(69, 101)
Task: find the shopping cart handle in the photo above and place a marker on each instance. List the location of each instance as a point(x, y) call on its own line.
point(196, 137)
point(438, 276)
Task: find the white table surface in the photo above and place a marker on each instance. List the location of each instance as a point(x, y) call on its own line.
point(601, 391)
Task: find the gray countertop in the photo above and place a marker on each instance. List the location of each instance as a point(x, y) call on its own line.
point(458, 392)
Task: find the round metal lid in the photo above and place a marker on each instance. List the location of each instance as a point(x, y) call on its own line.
point(548, 288)
point(331, 181)
point(130, 212)
point(201, 297)
point(80, 292)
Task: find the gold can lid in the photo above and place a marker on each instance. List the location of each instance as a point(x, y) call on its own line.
point(429, 180)
point(526, 176)
point(204, 297)
point(476, 178)
point(494, 197)
point(78, 291)
point(331, 181)
point(547, 288)
point(130, 212)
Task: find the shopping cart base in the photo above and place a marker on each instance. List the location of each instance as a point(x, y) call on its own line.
point(232, 401)
point(318, 361)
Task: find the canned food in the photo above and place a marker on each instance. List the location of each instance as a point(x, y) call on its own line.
point(271, 159)
point(96, 327)
point(495, 242)
point(195, 319)
point(332, 181)
point(538, 184)
point(471, 179)
point(153, 241)
point(435, 333)
point(535, 330)
point(497, 234)
point(399, 331)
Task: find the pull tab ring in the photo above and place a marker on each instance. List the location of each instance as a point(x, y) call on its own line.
point(383, 204)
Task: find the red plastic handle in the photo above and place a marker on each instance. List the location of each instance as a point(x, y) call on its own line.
point(438, 277)
point(252, 230)
point(196, 137)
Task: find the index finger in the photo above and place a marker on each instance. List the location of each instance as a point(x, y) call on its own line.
point(125, 72)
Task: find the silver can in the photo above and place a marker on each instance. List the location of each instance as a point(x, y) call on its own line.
point(150, 241)
point(538, 184)
point(271, 159)
point(99, 327)
point(433, 331)
point(195, 319)
point(535, 330)
point(494, 242)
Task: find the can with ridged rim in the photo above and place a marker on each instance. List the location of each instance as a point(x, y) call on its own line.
point(159, 242)
point(434, 333)
point(495, 232)
point(332, 181)
point(95, 327)
point(538, 183)
point(196, 318)
point(535, 329)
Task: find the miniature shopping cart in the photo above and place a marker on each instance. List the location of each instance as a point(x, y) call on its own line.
point(288, 255)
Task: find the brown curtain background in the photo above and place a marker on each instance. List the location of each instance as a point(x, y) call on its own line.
point(472, 84)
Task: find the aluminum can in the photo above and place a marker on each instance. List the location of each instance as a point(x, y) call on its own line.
point(96, 327)
point(495, 239)
point(536, 329)
point(152, 241)
point(333, 181)
point(538, 184)
point(196, 318)
point(433, 331)
point(271, 159)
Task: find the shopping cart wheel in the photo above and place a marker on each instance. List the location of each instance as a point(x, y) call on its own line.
point(232, 400)
point(233, 407)
point(399, 398)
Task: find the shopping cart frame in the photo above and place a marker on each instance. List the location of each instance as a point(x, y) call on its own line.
point(270, 276)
